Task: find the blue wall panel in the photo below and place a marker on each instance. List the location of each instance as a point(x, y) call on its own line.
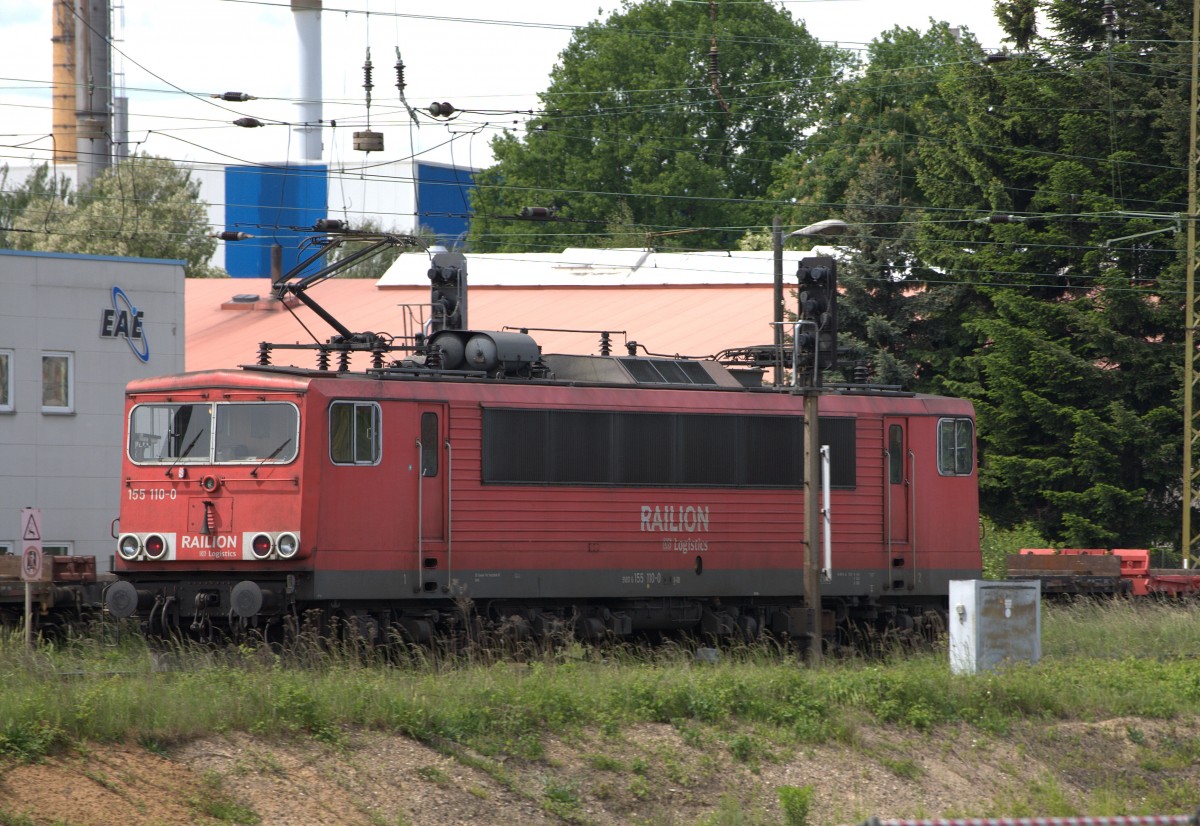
point(266, 202)
point(443, 195)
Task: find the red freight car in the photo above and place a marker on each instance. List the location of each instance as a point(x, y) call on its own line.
point(609, 493)
point(1100, 571)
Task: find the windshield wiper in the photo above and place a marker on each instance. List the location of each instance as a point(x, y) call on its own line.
point(186, 451)
point(274, 453)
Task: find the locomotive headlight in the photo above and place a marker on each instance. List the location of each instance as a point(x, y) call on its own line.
point(260, 546)
point(156, 546)
point(287, 545)
point(129, 547)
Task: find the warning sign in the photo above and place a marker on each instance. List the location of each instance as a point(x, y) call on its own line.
point(32, 559)
point(32, 564)
point(31, 525)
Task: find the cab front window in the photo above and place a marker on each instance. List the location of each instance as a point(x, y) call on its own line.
point(168, 433)
point(256, 432)
point(214, 433)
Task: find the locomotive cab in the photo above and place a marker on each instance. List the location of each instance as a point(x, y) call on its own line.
point(211, 482)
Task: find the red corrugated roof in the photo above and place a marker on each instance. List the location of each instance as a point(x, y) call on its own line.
point(687, 320)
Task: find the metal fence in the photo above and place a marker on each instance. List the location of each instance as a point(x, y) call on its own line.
point(1130, 820)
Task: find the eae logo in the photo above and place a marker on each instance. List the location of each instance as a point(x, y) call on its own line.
point(125, 321)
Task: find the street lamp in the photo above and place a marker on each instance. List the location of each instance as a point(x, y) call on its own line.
point(830, 226)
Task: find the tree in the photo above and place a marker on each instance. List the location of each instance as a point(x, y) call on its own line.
point(1077, 342)
point(1018, 18)
point(646, 127)
point(1069, 347)
point(40, 184)
point(864, 165)
point(144, 207)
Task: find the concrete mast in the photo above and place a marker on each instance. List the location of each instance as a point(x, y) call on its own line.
point(307, 14)
point(93, 83)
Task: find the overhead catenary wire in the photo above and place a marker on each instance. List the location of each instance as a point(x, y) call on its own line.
point(163, 132)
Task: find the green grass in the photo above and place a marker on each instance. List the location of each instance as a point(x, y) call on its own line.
point(794, 802)
point(1101, 661)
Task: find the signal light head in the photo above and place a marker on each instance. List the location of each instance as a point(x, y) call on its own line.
point(818, 294)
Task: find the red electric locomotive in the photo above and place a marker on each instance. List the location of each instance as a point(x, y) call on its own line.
point(609, 493)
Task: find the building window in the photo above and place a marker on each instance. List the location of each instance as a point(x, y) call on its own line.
point(58, 383)
point(354, 433)
point(6, 548)
point(956, 447)
point(6, 381)
point(57, 548)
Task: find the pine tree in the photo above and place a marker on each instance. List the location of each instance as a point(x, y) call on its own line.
point(1074, 371)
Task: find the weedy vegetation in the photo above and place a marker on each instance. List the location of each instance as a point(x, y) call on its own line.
point(756, 704)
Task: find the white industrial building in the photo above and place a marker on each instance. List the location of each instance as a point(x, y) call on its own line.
point(74, 329)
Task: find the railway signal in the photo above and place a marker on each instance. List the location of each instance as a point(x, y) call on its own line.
point(817, 312)
point(448, 288)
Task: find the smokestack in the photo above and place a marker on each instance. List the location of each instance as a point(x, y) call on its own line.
point(308, 26)
point(64, 81)
point(93, 82)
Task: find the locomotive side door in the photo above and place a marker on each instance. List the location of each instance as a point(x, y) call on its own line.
point(432, 452)
point(897, 500)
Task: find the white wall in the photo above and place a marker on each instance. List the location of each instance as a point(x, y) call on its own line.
point(69, 464)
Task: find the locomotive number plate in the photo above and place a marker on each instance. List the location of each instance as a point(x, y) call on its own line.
point(152, 494)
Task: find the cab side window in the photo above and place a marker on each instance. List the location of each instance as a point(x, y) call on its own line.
point(956, 447)
point(354, 433)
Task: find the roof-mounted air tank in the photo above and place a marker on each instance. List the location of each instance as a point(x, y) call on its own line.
point(494, 353)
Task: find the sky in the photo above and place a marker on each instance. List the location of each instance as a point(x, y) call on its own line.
point(475, 54)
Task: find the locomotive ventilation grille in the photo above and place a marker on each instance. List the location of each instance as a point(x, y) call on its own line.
point(666, 371)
